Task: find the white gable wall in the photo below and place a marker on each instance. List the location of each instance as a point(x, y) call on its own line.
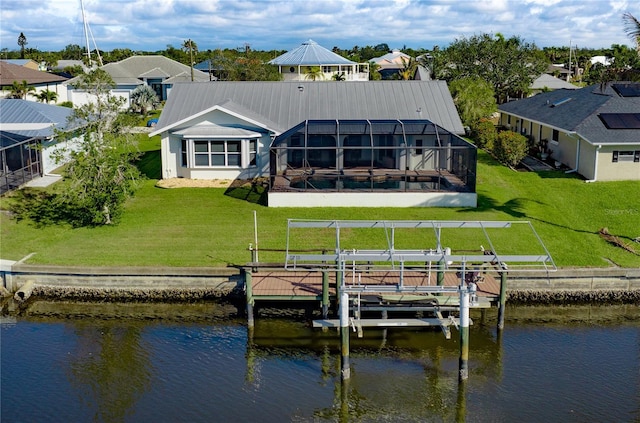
point(173, 154)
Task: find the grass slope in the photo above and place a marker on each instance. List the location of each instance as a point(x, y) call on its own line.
point(214, 226)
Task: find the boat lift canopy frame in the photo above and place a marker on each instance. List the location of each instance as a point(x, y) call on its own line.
point(392, 259)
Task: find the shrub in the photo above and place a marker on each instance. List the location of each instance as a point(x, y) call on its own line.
point(510, 147)
point(483, 134)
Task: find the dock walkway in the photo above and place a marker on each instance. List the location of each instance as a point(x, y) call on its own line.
point(279, 285)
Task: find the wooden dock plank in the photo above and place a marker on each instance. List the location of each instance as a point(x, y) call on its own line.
point(289, 284)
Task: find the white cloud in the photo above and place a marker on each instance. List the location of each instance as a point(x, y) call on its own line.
point(283, 24)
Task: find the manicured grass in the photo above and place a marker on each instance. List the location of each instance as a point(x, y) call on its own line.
point(212, 227)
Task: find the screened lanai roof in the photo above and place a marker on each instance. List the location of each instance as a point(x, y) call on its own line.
point(312, 54)
point(400, 127)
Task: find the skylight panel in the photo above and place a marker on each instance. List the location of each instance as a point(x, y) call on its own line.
point(561, 102)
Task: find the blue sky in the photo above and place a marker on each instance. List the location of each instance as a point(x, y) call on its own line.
point(151, 25)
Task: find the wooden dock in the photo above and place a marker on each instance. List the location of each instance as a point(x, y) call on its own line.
point(281, 285)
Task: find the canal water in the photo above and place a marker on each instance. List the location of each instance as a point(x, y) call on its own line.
point(64, 362)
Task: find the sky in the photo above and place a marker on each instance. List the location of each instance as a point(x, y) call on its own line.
point(152, 25)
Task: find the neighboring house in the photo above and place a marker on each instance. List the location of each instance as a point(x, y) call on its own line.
point(41, 81)
point(27, 63)
point(392, 63)
point(28, 140)
point(559, 71)
point(61, 65)
point(546, 82)
point(158, 72)
point(335, 143)
point(296, 64)
point(602, 60)
point(594, 131)
point(210, 68)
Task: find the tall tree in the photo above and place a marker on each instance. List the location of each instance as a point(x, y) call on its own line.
point(22, 41)
point(190, 47)
point(509, 65)
point(474, 99)
point(100, 175)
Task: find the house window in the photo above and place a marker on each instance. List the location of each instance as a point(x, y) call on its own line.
point(183, 154)
point(626, 156)
point(326, 69)
point(555, 136)
point(253, 152)
point(214, 153)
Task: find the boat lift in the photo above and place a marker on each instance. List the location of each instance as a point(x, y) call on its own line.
point(352, 266)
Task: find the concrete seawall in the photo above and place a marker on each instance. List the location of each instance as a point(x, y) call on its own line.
point(171, 283)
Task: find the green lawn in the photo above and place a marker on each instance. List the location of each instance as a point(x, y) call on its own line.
point(212, 227)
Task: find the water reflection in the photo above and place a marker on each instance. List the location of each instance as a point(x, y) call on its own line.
point(198, 362)
point(420, 377)
point(110, 368)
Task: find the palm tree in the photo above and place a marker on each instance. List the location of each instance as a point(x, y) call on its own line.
point(143, 99)
point(374, 71)
point(632, 28)
point(314, 73)
point(46, 96)
point(20, 89)
point(338, 76)
point(190, 46)
point(408, 68)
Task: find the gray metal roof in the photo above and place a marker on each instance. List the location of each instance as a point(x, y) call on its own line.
point(278, 106)
point(551, 82)
point(32, 119)
point(578, 111)
point(310, 53)
point(131, 70)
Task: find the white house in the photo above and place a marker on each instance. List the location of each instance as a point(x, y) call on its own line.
point(29, 142)
point(158, 72)
point(331, 143)
point(296, 64)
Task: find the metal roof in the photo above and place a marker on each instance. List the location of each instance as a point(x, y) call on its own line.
point(32, 119)
point(131, 70)
point(310, 53)
point(278, 106)
point(577, 111)
point(551, 82)
point(216, 130)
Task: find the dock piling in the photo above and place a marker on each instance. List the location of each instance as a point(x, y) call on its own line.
point(344, 336)
point(464, 333)
point(503, 299)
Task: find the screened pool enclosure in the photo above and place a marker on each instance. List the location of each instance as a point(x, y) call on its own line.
point(371, 155)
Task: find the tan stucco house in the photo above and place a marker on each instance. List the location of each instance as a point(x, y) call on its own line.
point(594, 131)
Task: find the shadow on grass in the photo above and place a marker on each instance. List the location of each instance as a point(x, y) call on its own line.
point(516, 208)
point(253, 191)
point(150, 164)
